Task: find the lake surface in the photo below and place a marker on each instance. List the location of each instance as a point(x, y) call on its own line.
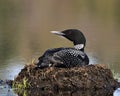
point(25, 27)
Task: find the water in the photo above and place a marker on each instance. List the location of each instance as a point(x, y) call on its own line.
point(25, 27)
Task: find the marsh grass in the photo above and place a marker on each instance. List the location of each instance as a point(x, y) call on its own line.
point(115, 75)
point(31, 61)
point(21, 85)
point(24, 83)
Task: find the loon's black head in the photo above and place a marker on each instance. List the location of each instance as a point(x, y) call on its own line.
point(74, 35)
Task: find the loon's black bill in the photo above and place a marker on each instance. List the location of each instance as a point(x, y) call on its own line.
point(58, 33)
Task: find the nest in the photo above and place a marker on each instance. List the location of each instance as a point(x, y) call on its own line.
point(87, 77)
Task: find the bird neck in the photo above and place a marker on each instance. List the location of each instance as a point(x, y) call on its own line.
point(79, 47)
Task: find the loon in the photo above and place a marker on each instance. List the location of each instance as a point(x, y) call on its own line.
point(66, 57)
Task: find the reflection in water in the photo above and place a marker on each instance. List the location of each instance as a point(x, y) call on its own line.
point(6, 91)
point(117, 92)
point(25, 27)
point(11, 70)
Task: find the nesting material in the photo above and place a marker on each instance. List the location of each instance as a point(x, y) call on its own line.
point(88, 77)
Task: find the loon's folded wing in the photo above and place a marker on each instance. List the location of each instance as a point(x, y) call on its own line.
point(70, 57)
point(45, 58)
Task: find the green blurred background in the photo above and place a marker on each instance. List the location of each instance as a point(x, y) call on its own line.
point(25, 27)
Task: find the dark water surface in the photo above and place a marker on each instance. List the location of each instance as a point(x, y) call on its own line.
point(25, 27)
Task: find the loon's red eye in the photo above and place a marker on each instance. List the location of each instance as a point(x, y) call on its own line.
point(69, 32)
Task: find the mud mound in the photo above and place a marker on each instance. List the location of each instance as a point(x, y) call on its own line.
point(88, 77)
